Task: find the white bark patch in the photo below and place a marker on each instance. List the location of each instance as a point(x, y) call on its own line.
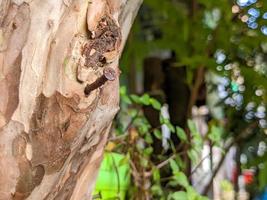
point(96, 10)
point(61, 53)
point(28, 151)
point(74, 58)
point(19, 2)
point(67, 2)
point(34, 55)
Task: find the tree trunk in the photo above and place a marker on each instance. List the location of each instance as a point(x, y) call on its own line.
point(52, 130)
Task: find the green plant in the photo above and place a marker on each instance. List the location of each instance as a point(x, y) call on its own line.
point(212, 36)
point(156, 176)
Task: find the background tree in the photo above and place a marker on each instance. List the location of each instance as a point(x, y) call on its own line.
point(223, 39)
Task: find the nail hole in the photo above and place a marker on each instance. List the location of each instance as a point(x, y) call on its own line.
point(86, 91)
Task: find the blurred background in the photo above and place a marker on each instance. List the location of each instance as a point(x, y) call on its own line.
point(192, 123)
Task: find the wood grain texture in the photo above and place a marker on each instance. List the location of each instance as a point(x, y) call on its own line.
point(52, 135)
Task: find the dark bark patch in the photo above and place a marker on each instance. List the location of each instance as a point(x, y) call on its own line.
point(54, 124)
point(38, 174)
point(30, 177)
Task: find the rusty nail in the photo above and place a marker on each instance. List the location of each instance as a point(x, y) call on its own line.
point(109, 74)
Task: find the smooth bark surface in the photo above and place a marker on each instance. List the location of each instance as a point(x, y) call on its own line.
point(52, 135)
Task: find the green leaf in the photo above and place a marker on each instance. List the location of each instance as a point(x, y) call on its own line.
point(171, 127)
point(180, 162)
point(132, 112)
point(143, 128)
point(157, 134)
point(123, 161)
point(156, 190)
point(193, 155)
point(181, 133)
point(192, 127)
point(126, 99)
point(215, 134)
point(173, 183)
point(172, 145)
point(148, 151)
point(155, 104)
point(167, 122)
point(178, 196)
point(161, 119)
point(135, 98)
point(191, 193)
point(197, 142)
point(181, 179)
point(148, 139)
point(156, 174)
point(123, 90)
point(174, 166)
point(144, 162)
point(145, 99)
point(202, 198)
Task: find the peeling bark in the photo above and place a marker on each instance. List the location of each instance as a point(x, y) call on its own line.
point(52, 134)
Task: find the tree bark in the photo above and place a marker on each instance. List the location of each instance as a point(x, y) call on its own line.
point(52, 134)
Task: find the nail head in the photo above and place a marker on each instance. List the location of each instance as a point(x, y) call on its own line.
point(109, 73)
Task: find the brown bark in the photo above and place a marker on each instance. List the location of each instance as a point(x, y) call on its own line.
point(52, 135)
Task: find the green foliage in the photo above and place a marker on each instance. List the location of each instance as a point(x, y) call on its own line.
point(178, 196)
point(144, 100)
point(226, 186)
point(190, 194)
point(263, 176)
point(155, 104)
point(196, 35)
point(140, 150)
point(157, 134)
point(174, 166)
point(166, 121)
point(180, 179)
point(215, 135)
point(181, 134)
